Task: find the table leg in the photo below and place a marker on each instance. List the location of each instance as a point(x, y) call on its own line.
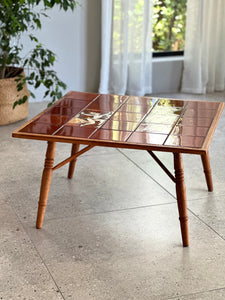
point(207, 171)
point(74, 150)
point(181, 197)
point(45, 183)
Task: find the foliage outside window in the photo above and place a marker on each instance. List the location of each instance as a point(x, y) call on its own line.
point(168, 25)
point(169, 17)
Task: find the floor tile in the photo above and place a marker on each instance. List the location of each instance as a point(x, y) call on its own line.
point(133, 254)
point(100, 183)
point(23, 274)
point(211, 211)
point(211, 295)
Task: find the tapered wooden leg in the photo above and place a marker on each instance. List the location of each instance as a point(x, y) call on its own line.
point(181, 197)
point(45, 183)
point(74, 150)
point(207, 171)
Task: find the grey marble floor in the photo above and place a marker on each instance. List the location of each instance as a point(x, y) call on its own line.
point(112, 232)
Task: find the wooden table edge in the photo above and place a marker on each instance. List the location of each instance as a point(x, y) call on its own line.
point(212, 128)
point(112, 144)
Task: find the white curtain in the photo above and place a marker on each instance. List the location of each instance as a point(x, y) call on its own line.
point(204, 59)
point(126, 61)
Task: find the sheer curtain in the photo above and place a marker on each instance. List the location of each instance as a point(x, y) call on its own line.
point(126, 61)
point(204, 59)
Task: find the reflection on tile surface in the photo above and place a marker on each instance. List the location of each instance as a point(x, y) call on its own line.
point(134, 109)
point(127, 117)
point(161, 119)
point(82, 96)
point(201, 122)
point(190, 130)
point(116, 125)
point(206, 113)
point(112, 135)
point(185, 141)
point(202, 105)
point(147, 138)
point(42, 128)
point(73, 103)
point(143, 101)
point(63, 110)
point(53, 119)
point(154, 128)
point(171, 103)
point(75, 131)
point(167, 110)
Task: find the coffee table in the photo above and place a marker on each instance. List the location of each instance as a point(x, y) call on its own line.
point(151, 124)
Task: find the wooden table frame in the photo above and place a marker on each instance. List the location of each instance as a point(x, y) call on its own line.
point(177, 151)
point(178, 179)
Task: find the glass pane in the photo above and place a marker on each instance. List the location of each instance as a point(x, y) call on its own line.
point(169, 18)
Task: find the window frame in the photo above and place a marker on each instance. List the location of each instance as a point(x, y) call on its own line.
point(167, 53)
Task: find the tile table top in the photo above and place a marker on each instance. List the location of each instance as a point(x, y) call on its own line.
point(127, 121)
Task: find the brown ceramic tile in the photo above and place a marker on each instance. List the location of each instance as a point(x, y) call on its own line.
point(53, 119)
point(102, 107)
point(200, 113)
point(167, 110)
point(73, 103)
point(190, 130)
point(171, 103)
point(169, 119)
point(90, 118)
point(75, 131)
point(154, 128)
point(106, 103)
point(185, 141)
point(202, 105)
point(111, 135)
point(113, 98)
point(147, 138)
point(143, 101)
point(126, 117)
point(116, 125)
point(82, 96)
point(40, 128)
point(201, 122)
point(64, 111)
point(130, 108)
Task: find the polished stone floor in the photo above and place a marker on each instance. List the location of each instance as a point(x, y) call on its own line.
point(112, 232)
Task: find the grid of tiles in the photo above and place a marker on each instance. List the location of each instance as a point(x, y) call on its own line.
point(127, 119)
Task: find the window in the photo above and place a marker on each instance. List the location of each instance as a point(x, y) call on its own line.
point(169, 18)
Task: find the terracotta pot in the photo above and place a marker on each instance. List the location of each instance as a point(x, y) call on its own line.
point(8, 95)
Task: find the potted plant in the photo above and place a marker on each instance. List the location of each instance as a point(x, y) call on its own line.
point(18, 18)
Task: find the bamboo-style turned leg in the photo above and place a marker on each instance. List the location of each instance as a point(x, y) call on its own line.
point(207, 171)
point(74, 150)
point(45, 183)
point(181, 197)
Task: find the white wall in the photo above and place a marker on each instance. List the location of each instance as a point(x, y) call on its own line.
point(76, 39)
point(166, 74)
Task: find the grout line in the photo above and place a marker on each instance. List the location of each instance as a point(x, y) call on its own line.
point(147, 173)
point(113, 113)
point(176, 122)
point(108, 211)
point(42, 260)
point(206, 198)
point(193, 294)
point(143, 118)
point(201, 220)
point(65, 124)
